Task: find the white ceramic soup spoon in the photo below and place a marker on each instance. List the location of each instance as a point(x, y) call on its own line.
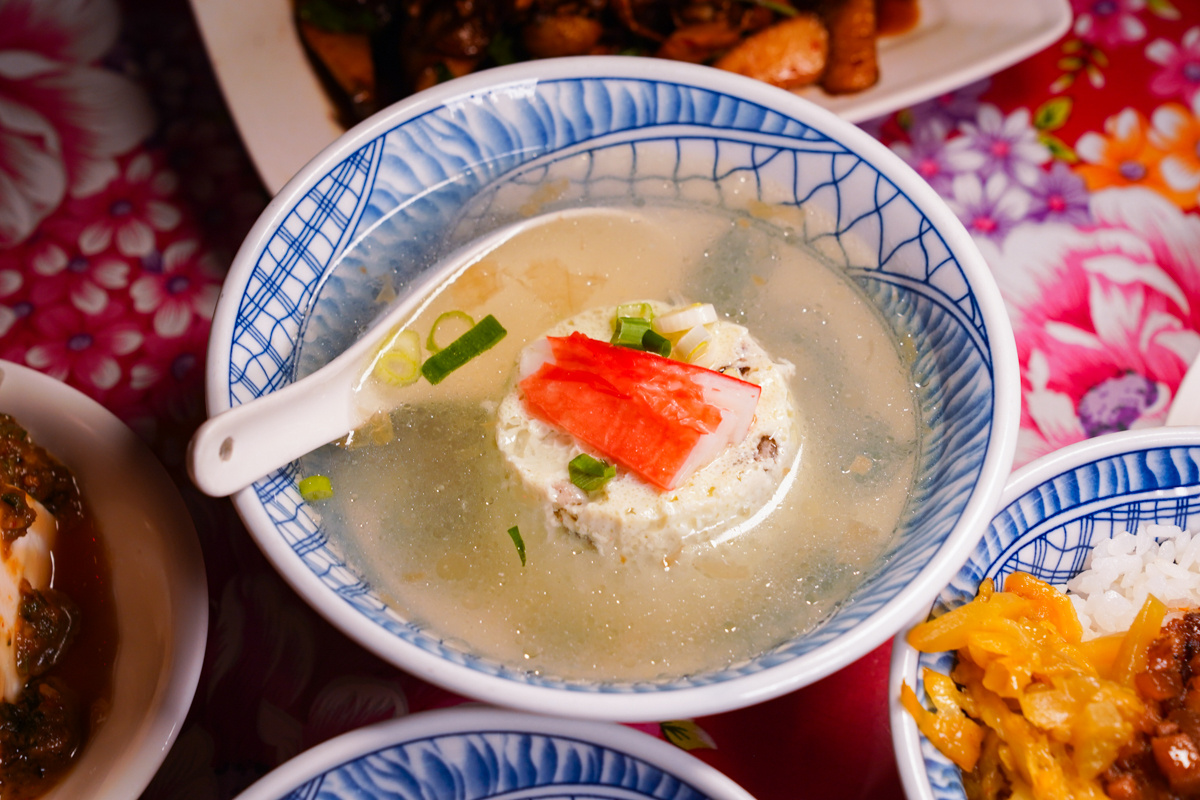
point(237, 447)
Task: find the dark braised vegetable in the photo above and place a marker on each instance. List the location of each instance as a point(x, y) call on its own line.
point(30, 468)
point(39, 735)
point(373, 52)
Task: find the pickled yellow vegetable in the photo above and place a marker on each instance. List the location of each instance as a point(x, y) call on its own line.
point(1029, 710)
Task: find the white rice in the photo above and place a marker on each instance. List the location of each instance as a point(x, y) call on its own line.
point(1163, 560)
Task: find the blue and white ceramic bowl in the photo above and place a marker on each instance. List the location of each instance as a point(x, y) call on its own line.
point(603, 130)
point(474, 753)
point(1052, 513)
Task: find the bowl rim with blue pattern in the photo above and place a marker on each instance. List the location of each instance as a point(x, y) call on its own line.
point(505, 132)
point(1050, 512)
point(472, 752)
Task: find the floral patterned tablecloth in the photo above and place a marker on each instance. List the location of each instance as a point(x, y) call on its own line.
point(124, 191)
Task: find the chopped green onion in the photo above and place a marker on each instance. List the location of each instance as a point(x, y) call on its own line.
point(515, 534)
point(686, 318)
point(590, 474)
point(448, 319)
point(656, 343)
point(486, 333)
point(316, 487)
point(398, 362)
point(630, 331)
point(693, 343)
point(637, 310)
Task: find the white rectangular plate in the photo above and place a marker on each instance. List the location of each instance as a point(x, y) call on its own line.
point(285, 117)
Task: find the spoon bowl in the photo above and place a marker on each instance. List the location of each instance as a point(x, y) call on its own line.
point(235, 448)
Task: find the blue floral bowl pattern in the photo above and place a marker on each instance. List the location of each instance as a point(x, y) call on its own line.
point(1053, 512)
point(479, 753)
point(468, 157)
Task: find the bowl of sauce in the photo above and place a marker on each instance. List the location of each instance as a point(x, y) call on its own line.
point(103, 600)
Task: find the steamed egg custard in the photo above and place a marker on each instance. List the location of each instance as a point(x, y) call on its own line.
point(460, 507)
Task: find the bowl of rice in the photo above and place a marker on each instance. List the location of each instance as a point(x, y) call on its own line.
point(1107, 523)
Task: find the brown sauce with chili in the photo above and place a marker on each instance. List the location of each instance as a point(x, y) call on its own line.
point(83, 673)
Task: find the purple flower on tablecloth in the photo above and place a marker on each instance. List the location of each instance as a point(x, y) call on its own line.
point(989, 208)
point(926, 153)
point(84, 348)
point(171, 370)
point(87, 281)
point(1059, 196)
point(1109, 22)
point(1106, 316)
point(130, 211)
point(58, 137)
point(1180, 73)
point(182, 284)
point(951, 108)
point(994, 143)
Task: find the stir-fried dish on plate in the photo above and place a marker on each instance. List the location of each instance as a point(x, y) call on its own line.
point(374, 52)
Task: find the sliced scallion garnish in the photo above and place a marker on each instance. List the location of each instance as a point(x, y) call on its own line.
point(638, 310)
point(686, 318)
point(656, 343)
point(515, 534)
point(483, 336)
point(316, 487)
point(590, 474)
point(398, 362)
point(692, 343)
point(446, 323)
point(630, 331)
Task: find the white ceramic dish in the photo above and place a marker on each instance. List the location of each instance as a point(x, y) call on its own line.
point(474, 753)
point(285, 117)
point(157, 574)
point(1051, 513)
point(469, 155)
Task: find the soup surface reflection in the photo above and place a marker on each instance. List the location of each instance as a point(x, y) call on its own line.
point(423, 509)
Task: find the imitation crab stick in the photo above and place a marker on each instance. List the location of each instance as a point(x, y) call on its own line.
point(659, 418)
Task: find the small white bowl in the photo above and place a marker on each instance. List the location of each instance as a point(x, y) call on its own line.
point(158, 580)
point(1051, 514)
point(474, 753)
point(610, 129)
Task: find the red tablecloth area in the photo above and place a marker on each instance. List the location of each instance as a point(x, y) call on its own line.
point(124, 191)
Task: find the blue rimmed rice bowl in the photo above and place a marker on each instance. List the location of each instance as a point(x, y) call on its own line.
point(1053, 512)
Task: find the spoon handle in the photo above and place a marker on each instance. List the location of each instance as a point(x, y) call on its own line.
point(237, 447)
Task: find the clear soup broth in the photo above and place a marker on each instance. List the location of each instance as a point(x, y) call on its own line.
point(422, 505)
